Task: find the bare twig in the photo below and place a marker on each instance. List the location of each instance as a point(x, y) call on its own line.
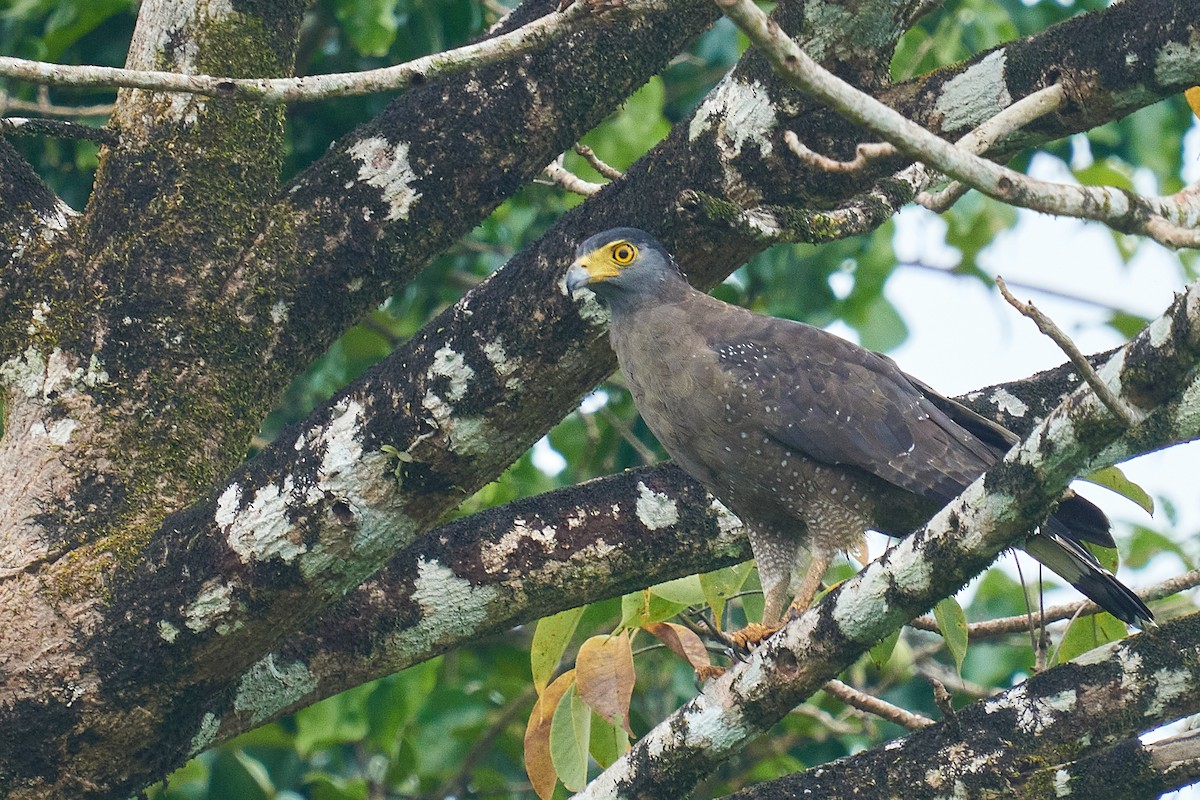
point(1020, 623)
point(864, 154)
point(1047, 326)
point(589, 155)
point(874, 705)
point(561, 176)
point(525, 39)
point(1179, 214)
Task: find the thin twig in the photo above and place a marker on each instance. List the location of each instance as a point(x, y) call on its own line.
point(589, 155)
point(1046, 325)
point(561, 176)
point(864, 154)
point(874, 705)
point(1122, 210)
point(526, 39)
point(1019, 624)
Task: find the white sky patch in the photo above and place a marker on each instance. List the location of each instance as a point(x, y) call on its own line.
point(386, 167)
point(546, 458)
point(654, 509)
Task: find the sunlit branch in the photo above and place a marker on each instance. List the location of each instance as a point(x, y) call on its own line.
point(1177, 216)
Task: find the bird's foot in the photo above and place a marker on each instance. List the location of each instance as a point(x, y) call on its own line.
point(706, 671)
point(751, 635)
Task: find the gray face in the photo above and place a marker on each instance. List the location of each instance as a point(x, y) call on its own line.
point(621, 263)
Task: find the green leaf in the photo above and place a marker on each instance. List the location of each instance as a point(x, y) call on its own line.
point(1088, 633)
point(570, 732)
point(685, 591)
point(550, 640)
point(881, 653)
point(720, 585)
point(370, 25)
point(608, 742)
point(644, 607)
point(952, 622)
point(1113, 479)
point(236, 774)
point(1146, 543)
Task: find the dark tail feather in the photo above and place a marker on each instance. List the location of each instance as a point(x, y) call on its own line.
point(1083, 521)
point(1058, 549)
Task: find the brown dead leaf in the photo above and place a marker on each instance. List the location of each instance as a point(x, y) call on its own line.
point(681, 641)
point(606, 675)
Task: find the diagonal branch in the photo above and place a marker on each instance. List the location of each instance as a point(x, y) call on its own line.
point(1177, 217)
point(1156, 368)
point(1050, 736)
point(523, 40)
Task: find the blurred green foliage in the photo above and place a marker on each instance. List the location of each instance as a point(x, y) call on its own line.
point(453, 727)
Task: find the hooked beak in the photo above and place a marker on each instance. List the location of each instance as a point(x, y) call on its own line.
point(587, 269)
point(577, 277)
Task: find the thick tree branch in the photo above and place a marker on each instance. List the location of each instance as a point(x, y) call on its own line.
point(1155, 368)
point(417, 72)
point(1070, 730)
point(488, 572)
point(1120, 209)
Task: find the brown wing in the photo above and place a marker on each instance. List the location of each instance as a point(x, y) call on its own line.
point(840, 404)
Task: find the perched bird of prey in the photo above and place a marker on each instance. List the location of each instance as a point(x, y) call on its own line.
point(810, 439)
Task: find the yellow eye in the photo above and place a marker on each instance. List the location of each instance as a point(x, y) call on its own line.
point(623, 253)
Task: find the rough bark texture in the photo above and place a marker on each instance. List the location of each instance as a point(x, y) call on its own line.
point(142, 341)
point(1066, 732)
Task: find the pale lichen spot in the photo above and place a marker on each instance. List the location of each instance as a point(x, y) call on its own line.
point(495, 556)
point(859, 613)
point(655, 509)
point(457, 605)
point(386, 167)
point(450, 364)
point(740, 112)
point(504, 364)
point(213, 601)
point(267, 687)
point(279, 311)
point(727, 521)
point(166, 631)
point(210, 725)
point(975, 94)
point(1009, 403)
point(260, 531)
point(58, 433)
point(1062, 783)
point(1168, 684)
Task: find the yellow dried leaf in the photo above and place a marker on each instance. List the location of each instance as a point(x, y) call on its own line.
point(538, 763)
point(605, 676)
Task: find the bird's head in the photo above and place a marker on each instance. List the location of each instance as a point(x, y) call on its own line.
point(622, 263)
